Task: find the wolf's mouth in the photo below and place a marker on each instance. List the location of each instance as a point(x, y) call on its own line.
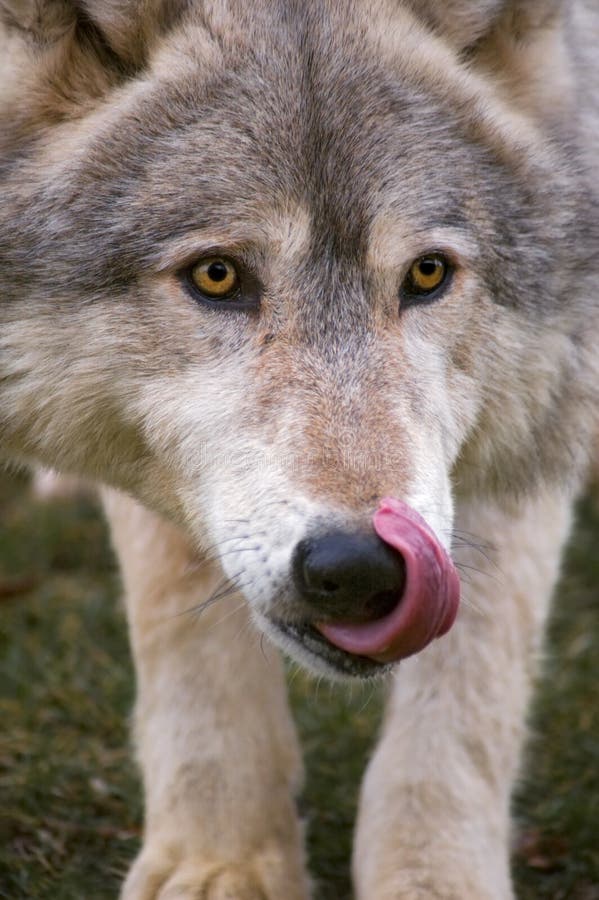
point(421, 606)
point(428, 603)
point(343, 662)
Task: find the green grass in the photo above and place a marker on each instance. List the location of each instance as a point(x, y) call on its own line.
point(70, 803)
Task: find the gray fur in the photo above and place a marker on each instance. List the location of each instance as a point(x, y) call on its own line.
point(296, 111)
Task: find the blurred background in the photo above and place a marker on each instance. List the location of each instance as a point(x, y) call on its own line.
point(70, 801)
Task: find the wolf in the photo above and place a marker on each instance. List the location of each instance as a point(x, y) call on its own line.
point(311, 287)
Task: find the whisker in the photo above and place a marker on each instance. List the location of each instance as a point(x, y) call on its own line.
point(227, 615)
point(484, 550)
point(262, 651)
point(471, 604)
point(226, 586)
point(474, 538)
point(247, 627)
point(224, 590)
point(368, 700)
point(319, 680)
point(199, 608)
point(197, 566)
point(465, 567)
point(212, 548)
point(229, 591)
point(294, 673)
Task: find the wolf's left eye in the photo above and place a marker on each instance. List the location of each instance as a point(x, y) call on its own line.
point(216, 278)
point(428, 276)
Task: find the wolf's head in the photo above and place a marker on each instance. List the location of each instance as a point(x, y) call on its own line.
point(266, 264)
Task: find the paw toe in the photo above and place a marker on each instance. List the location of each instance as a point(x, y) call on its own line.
point(224, 884)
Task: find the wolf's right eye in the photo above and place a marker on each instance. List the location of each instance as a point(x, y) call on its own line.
point(427, 278)
point(216, 278)
point(220, 282)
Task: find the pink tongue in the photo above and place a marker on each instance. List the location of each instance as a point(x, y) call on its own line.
point(430, 598)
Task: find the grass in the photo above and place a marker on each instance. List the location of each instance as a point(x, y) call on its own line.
point(70, 804)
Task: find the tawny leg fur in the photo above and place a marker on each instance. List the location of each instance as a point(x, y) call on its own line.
point(215, 740)
point(434, 816)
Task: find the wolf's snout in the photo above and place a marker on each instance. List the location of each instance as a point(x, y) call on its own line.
point(350, 576)
point(386, 595)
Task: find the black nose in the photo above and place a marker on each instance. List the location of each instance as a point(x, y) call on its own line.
point(351, 576)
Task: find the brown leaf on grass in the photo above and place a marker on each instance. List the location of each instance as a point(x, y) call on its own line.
point(541, 851)
point(14, 587)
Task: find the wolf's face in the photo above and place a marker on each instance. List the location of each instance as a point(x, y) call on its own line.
point(292, 268)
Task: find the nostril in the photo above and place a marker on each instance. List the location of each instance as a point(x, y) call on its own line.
point(329, 586)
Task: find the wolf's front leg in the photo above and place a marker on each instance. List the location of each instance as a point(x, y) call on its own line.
point(434, 818)
point(215, 740)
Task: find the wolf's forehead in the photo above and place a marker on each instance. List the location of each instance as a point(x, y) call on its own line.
point(327, 127)
point(226, 129)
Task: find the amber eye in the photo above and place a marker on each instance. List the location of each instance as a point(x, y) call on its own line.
point(216, 278)
point(426, 276)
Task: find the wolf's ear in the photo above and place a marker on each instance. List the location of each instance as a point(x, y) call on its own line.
point(40, 22)
point(126, 28)
point(513, 40)
point(467, 22)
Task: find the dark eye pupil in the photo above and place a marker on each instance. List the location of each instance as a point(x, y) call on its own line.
point(217, 271)
point(428, 267)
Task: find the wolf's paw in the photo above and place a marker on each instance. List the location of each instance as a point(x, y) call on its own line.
point(265, 877)
point(431, 887)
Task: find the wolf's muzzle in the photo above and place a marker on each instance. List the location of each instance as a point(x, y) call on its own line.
point(384, 594)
